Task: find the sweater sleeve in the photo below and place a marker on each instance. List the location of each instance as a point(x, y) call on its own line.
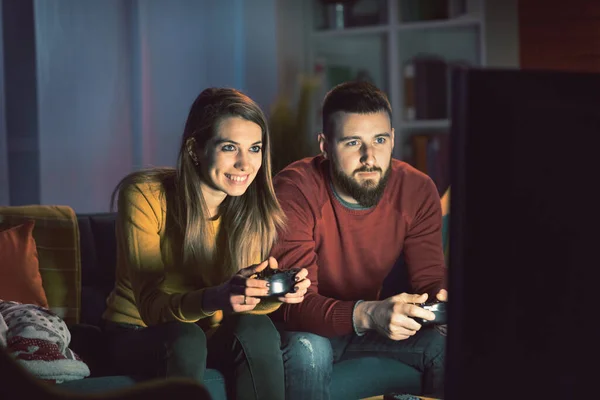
point(423, 246)
point(138, 226)
point(295, 248)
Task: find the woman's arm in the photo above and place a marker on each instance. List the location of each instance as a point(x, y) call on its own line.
point(139, 224)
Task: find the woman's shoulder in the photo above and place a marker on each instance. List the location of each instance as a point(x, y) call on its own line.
point(148, 190)
point(144, 193)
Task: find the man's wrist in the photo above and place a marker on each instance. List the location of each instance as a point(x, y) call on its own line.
point(361, 319)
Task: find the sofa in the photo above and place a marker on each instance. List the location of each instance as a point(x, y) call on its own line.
point(93, 246)
point(351, 379)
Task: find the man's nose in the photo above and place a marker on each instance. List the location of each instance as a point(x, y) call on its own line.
point(367, 156)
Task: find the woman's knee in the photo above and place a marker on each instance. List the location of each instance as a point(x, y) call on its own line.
point(250, 327)
point(307, 350)
point(184, 350)
point(183, 337)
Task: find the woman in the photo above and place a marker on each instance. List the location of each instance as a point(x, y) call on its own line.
point(190, 243)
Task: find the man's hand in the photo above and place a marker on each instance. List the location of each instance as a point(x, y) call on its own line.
point(392, 317)
point(442, 295)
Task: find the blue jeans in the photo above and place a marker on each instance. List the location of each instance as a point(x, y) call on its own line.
point(245, 348)
point(308, 359)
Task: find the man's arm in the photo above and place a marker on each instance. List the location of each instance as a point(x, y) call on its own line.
point(423, 247)
point(296, 249)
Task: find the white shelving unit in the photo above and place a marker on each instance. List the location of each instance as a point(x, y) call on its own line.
point(382, 49)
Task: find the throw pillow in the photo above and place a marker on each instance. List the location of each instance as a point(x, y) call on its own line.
point(20, 278)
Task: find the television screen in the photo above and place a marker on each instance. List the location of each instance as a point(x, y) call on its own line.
point(524, 294)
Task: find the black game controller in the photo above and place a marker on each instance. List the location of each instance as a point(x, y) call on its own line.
point(438, 308)
point(280, 282)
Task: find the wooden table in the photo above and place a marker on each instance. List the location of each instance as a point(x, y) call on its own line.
point(381, 398)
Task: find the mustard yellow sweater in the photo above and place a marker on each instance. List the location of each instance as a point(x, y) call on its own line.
point(150, 285)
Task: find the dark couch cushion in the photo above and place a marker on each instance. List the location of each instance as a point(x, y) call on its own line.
point(98, 262)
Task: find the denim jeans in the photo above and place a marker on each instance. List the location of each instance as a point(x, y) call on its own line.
point(245, 348)
point(309, 359)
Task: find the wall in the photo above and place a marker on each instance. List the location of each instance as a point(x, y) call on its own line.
point(20, 102)
point(558, 36)
point(4, 192)
point(260, 59)
point(113, 82)
point(502, 33)
point(84, 100)
point(172, 68)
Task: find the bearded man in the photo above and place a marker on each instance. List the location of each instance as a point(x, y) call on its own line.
point(352, 212)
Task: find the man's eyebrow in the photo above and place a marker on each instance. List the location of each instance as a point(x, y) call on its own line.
point(348, 138)
point(221, 141)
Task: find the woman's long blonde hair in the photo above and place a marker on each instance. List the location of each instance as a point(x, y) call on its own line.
point(249, 222)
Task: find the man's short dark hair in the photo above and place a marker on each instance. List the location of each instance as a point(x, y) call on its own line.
point(358, 97)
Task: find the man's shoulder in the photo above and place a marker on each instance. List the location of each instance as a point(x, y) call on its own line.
point(305, 174)
point(407, 171)
point(407, 178)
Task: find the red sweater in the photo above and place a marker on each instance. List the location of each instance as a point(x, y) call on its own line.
point(348, 253)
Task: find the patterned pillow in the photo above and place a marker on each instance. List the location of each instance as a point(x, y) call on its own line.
point(56, 235)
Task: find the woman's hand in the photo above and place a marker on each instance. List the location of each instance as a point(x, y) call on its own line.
point(301, 286)
point(241, 292)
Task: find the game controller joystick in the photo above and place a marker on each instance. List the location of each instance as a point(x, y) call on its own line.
point(280, 282)
point(438, 308)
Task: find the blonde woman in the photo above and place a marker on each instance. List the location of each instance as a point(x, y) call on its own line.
point(190, 243)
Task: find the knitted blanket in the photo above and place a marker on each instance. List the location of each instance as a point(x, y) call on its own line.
point(39, 341)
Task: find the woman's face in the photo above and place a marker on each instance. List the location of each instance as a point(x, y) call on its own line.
point(232, 157)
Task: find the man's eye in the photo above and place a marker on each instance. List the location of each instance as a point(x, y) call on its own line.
point(255, 149)
point(352, 143)
point(381, 140)
point(228, 147)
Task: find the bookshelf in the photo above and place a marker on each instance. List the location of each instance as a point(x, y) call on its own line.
point(380, 40)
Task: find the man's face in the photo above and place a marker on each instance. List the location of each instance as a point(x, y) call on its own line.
point(360, 150)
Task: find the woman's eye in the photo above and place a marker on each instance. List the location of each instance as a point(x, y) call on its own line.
point(228, 147)
point(255, 149)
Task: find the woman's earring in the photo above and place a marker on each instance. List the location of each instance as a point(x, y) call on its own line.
point(194, 158)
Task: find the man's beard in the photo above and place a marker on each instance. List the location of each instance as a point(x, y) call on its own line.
point(366, 194)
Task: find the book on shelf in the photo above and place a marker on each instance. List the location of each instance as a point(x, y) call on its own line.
point(431, 155)
point(422, 10)
point(425, 81)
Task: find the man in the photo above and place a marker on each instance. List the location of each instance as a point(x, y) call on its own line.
point(352, 211)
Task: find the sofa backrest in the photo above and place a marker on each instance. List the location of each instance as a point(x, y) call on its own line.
point(98, 263)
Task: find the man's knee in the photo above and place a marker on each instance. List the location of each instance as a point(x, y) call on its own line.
point(434, 346)
point(307, 350)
